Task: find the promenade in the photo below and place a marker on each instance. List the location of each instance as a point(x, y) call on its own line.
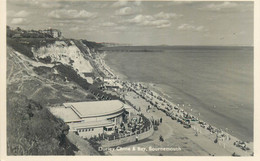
point(198, 139)
point(175, 136)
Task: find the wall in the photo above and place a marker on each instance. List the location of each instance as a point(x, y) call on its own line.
point(129, 139)
point(88, 134)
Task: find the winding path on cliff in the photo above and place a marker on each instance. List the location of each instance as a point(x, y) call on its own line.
point(21, 75)
point(84, 147)
point(21, 78)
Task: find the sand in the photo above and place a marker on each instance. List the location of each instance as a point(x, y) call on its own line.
point(175, 135)
point(200, 77)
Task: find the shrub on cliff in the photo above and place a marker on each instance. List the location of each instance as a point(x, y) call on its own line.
point(72, 75)
point(21, 48)
point(42, 70)
point(46, 59)
point(92, 45)
point(25, 45)
point(33, 130)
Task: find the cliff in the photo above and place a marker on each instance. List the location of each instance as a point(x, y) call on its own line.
point(43, 72)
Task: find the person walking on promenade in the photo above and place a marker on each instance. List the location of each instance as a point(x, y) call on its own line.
point(161, 138)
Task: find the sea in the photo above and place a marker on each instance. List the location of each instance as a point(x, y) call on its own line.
point(214, 83)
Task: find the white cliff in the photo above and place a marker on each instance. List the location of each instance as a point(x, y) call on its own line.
point(67, 54)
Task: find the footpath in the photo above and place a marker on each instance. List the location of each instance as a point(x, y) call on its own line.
point(84, 147)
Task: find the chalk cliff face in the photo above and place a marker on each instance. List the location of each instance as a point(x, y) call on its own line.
point(66, 53)
point(40, 73)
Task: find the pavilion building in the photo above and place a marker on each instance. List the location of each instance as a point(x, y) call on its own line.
point(92, 118)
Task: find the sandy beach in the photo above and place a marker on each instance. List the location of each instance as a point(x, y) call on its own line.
point(194, 141)
point(177, 136)
point(215, 82)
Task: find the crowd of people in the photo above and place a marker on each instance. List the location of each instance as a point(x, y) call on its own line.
point(242, 145)
point(132, 126)
point(171, 110)
point(176, 113)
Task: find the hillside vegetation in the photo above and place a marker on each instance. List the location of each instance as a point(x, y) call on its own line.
point(33, 84)
point(32, 130)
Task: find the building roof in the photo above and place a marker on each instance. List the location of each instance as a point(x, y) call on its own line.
point(95, 108)
point(66, 114)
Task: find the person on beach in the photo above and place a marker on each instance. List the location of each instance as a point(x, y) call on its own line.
point(156, 122)
point(161, 138)
point(152, 121)
point(216, 140)
point(136, 138)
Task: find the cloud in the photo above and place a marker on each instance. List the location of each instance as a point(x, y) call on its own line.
point(124, 3)
point(164, 25)
point(71, 14)
point(221, 6)
point(120, 28)
point(171, 3)
point(167, 15)
point(99, 5)
point(158, 5)
point(188, 27)
point(108, 24)
point(137, 3)
point(74, 28)
point(180, 2)
point(120, 3)
point(125, 11)
point(69, 21)
point(18, 21)
point(37, 3)
point(141, 18)
point(21, 13)
point(93, 29)
point(49, 5)
point(159, 20)
point(148, 20)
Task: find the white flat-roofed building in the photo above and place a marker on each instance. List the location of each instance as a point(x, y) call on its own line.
point(112, 83)
point(92, 118)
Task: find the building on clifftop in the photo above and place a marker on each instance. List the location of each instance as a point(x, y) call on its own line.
point(55, 33)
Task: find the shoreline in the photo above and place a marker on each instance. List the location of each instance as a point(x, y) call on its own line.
point(216, 112)
point(197, 112)
point(158, 92)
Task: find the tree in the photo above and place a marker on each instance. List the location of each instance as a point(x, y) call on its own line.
point(18, 29)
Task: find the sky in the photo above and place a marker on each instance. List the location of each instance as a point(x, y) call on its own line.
point(140, 22)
